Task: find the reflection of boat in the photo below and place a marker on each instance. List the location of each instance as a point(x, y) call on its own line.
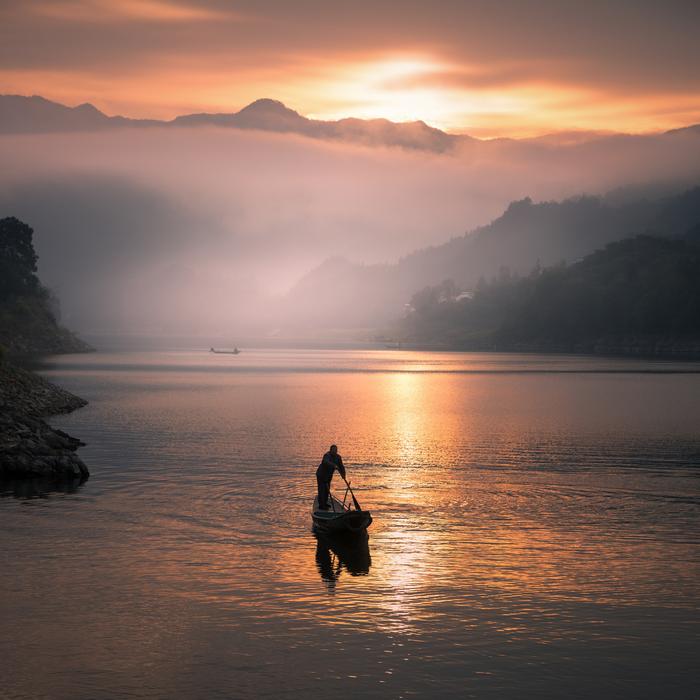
point(235, 351)
point(340, 517)
point(337, 551)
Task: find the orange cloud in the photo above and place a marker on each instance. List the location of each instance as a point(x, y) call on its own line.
point(516, 72)
point(135, 10)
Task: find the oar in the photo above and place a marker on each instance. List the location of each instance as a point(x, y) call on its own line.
point(354, 500)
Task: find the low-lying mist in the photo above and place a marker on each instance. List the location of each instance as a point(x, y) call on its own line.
point(202, 231)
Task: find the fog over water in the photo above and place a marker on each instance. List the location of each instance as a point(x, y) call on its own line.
point(201, 231)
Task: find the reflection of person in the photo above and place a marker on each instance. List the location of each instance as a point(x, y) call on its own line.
point(330, 462)
point(328, 565)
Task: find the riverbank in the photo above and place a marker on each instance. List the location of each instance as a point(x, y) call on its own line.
point(29, 447)
point(653, 347)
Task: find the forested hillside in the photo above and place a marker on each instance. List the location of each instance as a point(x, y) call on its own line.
point(28, 311)
point(640, 295)
point(525, 235)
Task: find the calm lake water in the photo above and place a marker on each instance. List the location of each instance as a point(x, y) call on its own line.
point(536, 530)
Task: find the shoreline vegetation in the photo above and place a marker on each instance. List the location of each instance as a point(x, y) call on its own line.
point(29, 447)
point(631, 347)
point(29, 312)
point(639, 297)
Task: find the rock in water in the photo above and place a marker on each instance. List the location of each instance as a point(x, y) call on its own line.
point(29, 447)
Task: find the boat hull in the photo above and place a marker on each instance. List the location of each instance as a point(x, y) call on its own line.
point(339, 519)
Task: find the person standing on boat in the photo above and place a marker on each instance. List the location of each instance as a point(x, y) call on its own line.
point(330, 462)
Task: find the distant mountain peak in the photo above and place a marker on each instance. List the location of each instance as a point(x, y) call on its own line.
point(31, 98)
point(269, 106)
point(88, 108)
point(271, 115)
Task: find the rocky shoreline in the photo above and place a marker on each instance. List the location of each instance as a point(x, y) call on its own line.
point(29, 447)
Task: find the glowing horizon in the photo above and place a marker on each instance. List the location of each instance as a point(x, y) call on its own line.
point(528, 71)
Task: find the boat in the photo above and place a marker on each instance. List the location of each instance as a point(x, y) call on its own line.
point(341, 517)
point(235, 351)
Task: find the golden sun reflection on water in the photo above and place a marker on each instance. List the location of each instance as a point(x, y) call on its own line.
point(416, 445)
point(408, 418)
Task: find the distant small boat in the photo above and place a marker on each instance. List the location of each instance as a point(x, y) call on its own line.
point(340, 517)
point(235, 351)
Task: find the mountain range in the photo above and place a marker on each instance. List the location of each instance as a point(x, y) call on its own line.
point(22, 115)
point(252, 223)
point(32, 115)
point(525, 236)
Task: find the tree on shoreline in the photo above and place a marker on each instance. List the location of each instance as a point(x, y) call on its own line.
point(17, 259)
point(28, 310)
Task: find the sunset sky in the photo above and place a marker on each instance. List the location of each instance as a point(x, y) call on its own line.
point(486, 68)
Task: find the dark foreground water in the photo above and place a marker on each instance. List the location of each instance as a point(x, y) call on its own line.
point(535, 536)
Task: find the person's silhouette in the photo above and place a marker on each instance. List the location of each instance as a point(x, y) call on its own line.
point(330, 462)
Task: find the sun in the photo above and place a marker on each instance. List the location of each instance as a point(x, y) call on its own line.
point(399, 89)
